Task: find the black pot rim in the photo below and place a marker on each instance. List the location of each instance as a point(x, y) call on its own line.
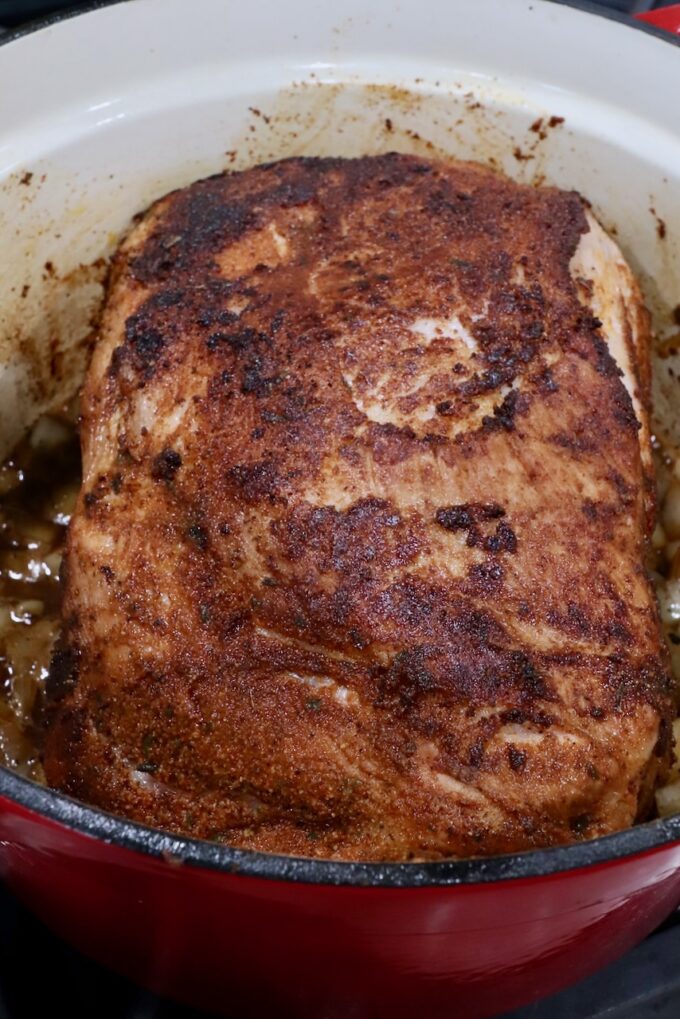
point(532, 864)
point(538, 863)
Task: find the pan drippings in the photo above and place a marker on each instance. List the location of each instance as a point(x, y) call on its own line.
point(38, 486)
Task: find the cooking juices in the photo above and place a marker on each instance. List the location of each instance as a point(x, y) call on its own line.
point(38, 487)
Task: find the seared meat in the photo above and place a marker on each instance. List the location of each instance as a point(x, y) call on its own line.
point(357, 569)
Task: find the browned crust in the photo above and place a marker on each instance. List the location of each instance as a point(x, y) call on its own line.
point(463, 578)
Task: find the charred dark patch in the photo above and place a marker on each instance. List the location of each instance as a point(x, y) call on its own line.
point(590, 509)
point(472, 517)
point(208, 317)
point(238, 340)
point(527, 713)
point(664, 740)
point(447, 202)
point(63, 674)
point(528, 678)
point(255, 481)
point(605, 364)
point(235, 622)
point(405, 682)
point(486, 382)
point(462, 517)
point(546, 382)
point(166, 297)
point(357, 639)
point(476, 755)
point(624, 412)
point(517, 758)
point(145, 339)
point(503, 540)
point(191, 230)
point(256, 380)
point(209, 216)
point(198, 536)
point(476, 385)
point(165, 465)
point(579, 824)
point(503, 418)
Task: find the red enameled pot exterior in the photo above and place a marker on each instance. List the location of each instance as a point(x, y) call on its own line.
point(667, 18)
point(242, 945)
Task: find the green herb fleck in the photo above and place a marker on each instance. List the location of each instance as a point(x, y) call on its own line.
point(220, 836)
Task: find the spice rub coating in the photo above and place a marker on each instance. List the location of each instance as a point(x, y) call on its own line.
point(357, 568)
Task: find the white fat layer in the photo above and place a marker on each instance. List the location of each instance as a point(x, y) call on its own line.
point(280, 241)
point(342, 694)
point(429, 329)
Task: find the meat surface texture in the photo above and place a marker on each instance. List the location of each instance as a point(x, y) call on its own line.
point(357, 568)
